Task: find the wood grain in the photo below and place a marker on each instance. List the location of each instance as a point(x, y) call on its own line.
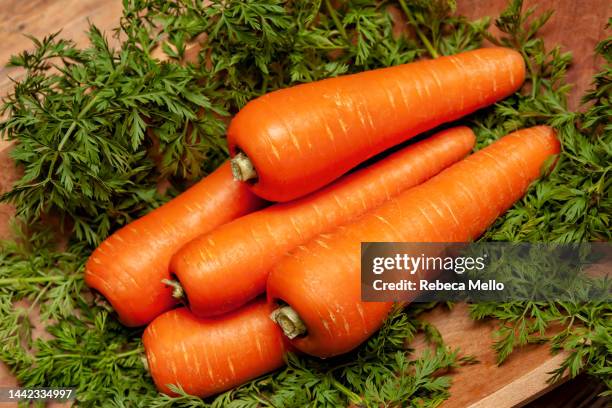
point(576, 25)
point(42, 17)
point(39, 18)
point(521, 378)
point(8, 174)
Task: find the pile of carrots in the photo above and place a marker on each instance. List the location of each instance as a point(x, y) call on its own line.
point(229, 282)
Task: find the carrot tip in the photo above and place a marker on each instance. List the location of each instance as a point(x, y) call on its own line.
point(242, 168)
point(177, 290)
point(289, 321)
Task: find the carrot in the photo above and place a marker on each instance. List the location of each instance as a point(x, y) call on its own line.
point(129, 266)
point(208, 356)
point(320, 282)
point(227, 267)
point(293, 141)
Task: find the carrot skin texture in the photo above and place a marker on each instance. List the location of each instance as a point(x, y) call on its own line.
point(302, 138)
point(321, 280)
point(209, 356)
point(229, 266)
point(128, 267)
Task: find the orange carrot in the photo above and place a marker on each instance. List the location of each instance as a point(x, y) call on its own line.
point(320, 282)
point(293, 141)
point(227, 267)
point(129, 266)
point(208, 356)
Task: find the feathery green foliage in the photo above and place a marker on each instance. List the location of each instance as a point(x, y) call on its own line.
point(98, 128)
point(572, 204)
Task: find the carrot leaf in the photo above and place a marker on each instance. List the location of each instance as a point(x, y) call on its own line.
point(98, 128)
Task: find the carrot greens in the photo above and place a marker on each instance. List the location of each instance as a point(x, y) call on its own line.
point(98, 128)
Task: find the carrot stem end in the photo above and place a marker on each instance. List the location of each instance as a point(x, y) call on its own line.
point(177, 290)
point(242, 168)
point(289, 321)
point(145, 364)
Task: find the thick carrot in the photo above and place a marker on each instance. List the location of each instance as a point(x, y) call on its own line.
point(296, 140)
point(129, 266)
point(208, 356)
point(320, 282)
point(227, 267)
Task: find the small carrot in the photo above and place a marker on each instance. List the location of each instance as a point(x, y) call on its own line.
point(129, 266)
point(320, 282)
point(293, 141)
point(208, 356)
point(227, 267)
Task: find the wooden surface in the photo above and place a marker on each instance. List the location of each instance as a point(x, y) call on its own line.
point(576, 25)
point(519, 380)
point(42, 17)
